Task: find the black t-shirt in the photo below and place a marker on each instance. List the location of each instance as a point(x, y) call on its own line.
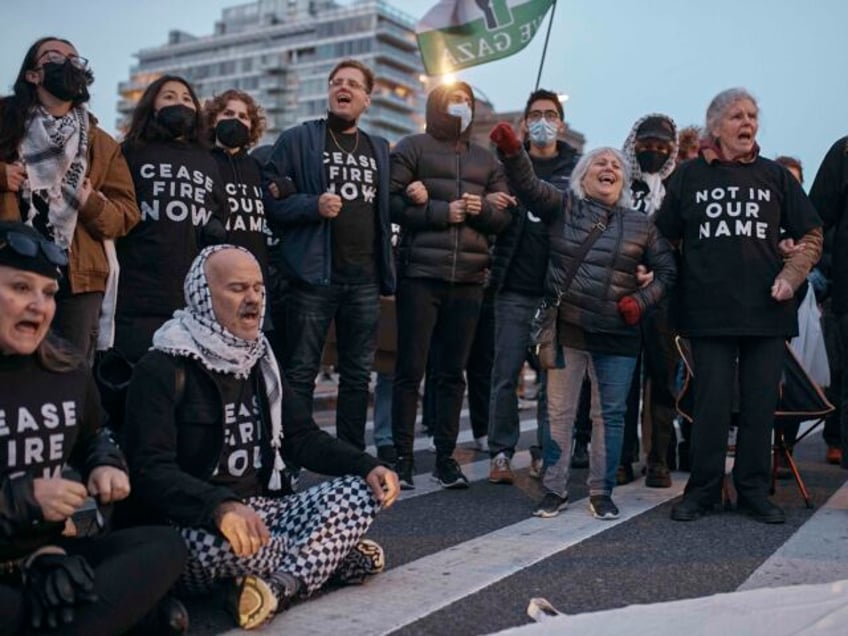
point(178, 189)
point(352, 174)
point(41, 415)
point(614, 344)
point(241, 454)
point(246, 222)
point(638, 191)
point(526, 273)
point(728, 218)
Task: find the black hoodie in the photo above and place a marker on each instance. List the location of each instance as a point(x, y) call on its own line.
point(448, 165)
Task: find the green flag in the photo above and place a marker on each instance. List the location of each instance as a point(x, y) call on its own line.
point(457, 34)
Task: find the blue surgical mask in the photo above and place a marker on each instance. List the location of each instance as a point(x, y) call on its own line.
point(463, 111)
point(542, 132)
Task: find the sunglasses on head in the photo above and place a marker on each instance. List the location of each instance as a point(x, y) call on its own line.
point(26, 245)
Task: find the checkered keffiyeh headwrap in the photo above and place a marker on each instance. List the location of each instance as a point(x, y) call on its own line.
point(194, 332)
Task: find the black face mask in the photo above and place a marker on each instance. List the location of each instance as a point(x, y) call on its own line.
point(178, 120)
point(232, 133)
point(66, 82)
point(651, 161)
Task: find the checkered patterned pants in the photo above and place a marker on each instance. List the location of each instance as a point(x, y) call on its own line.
point(311, 534)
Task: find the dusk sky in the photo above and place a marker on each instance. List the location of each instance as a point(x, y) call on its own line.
point(616, 60)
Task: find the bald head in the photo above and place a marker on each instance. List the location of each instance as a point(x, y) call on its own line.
point(237, 290)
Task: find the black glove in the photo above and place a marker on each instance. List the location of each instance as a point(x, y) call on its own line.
point(53, 585)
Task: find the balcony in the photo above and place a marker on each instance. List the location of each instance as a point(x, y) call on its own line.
point(397, 36)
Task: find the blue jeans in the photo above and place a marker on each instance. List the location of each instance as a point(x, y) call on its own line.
point(383, 409)
point(309, 311)
point(610, 376)
point(513, 312)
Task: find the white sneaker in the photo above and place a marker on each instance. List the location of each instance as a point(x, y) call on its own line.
point(482, 444)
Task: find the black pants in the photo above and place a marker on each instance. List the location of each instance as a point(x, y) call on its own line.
point(133, 570)
point(760, 365)
point(444, 314)
point(660, 359)
point(479, 368)
point(77, 321)
point(835, 328)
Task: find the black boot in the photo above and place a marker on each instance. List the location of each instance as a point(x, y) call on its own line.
point(169, 617)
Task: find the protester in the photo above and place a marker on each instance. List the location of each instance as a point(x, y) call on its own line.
point(688, 143)
point(518, 275)
point(64, 176)
point(183, 206)
point(335, 244)
point(651, 152)
point(210, 422)
point(235, 123)
point(50, 416)
point(725, 210)
point(600, 312)
point(828, 197)
point(448, 196)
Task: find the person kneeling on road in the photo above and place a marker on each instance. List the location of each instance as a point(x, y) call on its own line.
point(209, 420)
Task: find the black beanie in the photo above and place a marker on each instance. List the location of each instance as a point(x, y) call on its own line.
point(40, 263)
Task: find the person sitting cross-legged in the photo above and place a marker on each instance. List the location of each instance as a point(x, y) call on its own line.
point(209, 421)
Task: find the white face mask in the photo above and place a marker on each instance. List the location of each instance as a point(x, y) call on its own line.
point(463, 111)
point(542, 132)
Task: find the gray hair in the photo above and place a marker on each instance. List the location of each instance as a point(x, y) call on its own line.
point(720, 104)
point(582, 168)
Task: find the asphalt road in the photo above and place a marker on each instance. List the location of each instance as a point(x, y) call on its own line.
point(468, 562)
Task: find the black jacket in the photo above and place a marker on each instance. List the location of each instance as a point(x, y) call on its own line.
point(54, 411)
point(829, 196)
point(448, 165)
point(173, 446)
point(509, 240)
point(608, 272)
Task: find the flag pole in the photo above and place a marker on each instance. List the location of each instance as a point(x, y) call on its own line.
point(545, 48)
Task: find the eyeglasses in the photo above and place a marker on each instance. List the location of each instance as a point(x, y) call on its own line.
point(549, 115)
point(26, 245)
point(60, 58)
point(339, 82)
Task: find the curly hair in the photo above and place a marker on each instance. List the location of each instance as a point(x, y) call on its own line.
point(688, 138)
point(215, 106)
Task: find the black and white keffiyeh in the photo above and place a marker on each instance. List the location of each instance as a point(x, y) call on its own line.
point(654, 182)
point(55, 152)
point(194, 333)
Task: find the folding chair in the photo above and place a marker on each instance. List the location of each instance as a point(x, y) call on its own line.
point(800, 400)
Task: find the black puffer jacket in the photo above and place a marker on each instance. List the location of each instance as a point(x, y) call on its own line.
point(608, 272)
point(509, 240)
point(448, 165)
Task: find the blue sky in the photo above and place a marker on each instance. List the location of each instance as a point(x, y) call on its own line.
point(616, 60)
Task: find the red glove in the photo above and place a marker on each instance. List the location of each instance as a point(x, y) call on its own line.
point(629, 310)
point(505, 139)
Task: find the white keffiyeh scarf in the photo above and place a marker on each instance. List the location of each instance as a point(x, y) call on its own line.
point(194, 332)
point(55, 152)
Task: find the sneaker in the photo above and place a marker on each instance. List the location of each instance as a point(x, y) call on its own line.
point(501, 471)
point(405, 469)
point(624, 474)
point(761, 510)
point(252, 601)
point(366, 558)
point(833, 455)
point(580, 456)
point(550, 505)
point(657, 477)
point(536, 466)
point(602, 507)
point(481, 444)
point(387, 455)
point(448, 474)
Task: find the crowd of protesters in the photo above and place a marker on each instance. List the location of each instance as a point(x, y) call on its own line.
point(166, 304)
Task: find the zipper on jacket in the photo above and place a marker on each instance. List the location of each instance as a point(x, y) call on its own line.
point(456, 227)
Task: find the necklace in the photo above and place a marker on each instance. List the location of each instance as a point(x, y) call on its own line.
point(340, 147)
